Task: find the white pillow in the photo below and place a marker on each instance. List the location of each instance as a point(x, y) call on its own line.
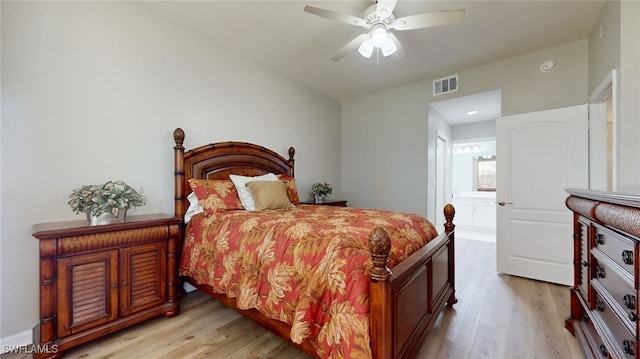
point(246, 197)
point(194, 207)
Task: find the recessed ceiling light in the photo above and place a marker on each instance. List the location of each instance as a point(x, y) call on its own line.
point(471, 113)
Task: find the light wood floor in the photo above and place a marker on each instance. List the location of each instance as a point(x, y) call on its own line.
point(497, 316)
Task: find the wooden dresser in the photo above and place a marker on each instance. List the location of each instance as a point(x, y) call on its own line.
point(604, 299)
point(95, 280)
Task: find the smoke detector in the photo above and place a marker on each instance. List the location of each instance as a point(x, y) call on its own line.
point(547, 66)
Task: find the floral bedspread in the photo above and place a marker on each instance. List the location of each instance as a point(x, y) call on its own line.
point(307, 266)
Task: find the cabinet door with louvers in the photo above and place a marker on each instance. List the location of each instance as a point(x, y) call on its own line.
point(87, 291)
point(142, 269)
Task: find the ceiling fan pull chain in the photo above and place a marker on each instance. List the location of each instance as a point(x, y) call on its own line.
point(377, 57)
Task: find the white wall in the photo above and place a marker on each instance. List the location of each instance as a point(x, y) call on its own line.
point(385, 136)
point(93, 91)
point(474, 130)
point(385, 156)
point(617, 46)
point(629, 106)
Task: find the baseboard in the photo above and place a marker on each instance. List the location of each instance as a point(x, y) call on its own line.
point(16, 340)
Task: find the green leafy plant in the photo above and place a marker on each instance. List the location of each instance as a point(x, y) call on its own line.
point(110, 197)
point(321, 189)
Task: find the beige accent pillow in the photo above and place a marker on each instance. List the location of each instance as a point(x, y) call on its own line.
point(269, 195)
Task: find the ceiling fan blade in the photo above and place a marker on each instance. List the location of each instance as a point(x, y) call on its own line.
point(386, 5)
point(350, 46)
point(430, 19)
point(400, 50)
point(346, 18)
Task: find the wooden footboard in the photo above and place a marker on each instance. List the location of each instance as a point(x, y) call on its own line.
point(406, 301)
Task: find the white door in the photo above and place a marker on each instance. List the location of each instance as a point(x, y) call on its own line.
point(539, 155)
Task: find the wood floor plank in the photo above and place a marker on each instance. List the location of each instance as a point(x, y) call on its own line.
point(497, 316)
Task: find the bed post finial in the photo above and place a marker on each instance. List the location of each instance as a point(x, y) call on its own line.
point(449, 212)
point(178, 136)
point(379, 247)
point(292, 152)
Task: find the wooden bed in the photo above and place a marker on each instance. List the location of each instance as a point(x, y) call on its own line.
point(404, 302)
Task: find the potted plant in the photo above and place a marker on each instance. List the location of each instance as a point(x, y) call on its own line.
point(105, 203)
point(320, 190)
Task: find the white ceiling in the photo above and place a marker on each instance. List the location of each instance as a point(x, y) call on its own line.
point(455, 111)
point(280, 36)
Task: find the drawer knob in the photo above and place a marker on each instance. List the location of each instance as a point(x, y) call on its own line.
point(633, 317)
point(603, 350)
point(585, 263)
point(627, 257)
point(627, 346)
point(629, 301)
point(600, 272)
point(599, 305)
point(599, 239)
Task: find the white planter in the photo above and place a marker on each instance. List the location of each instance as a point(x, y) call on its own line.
point(107, 218)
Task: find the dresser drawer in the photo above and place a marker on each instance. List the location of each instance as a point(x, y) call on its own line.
point(615, 285)
point(625, 342)
point(590, 340)
point(618, 247)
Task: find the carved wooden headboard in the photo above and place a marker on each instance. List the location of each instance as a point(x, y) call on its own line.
point(218, 161)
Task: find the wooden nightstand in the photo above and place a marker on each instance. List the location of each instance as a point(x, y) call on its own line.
point(95, 280)
point(328, 202)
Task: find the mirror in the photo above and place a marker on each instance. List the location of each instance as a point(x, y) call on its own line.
point(470, 159)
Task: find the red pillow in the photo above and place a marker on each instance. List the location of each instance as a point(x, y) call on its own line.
point(292, 190)
point(216, 195)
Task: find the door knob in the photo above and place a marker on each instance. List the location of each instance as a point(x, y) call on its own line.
point(502, 203)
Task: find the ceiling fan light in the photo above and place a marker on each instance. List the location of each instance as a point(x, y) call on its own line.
point(379, 36)
point(366, 48)
point(389, 48)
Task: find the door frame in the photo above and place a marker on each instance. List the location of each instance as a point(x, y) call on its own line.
point(607, 89)
point(441, 182)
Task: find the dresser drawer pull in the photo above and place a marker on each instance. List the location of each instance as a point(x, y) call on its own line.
point(627, 346)
point(633, 317)
point(629, 301)
point(603, 350)
point(600, 272)
point(599, 239)
point(627, 257)
point(585, 264)
point(599, 305)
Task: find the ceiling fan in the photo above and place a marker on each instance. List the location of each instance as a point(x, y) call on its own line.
point(378, 20)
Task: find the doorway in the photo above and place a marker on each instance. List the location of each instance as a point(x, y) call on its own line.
point(474, 186)
point(471, 144)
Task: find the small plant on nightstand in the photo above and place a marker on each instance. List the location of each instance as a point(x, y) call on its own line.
point(105, 203)
point(320, 190)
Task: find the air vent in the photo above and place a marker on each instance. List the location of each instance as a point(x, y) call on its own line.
point(445, 85)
